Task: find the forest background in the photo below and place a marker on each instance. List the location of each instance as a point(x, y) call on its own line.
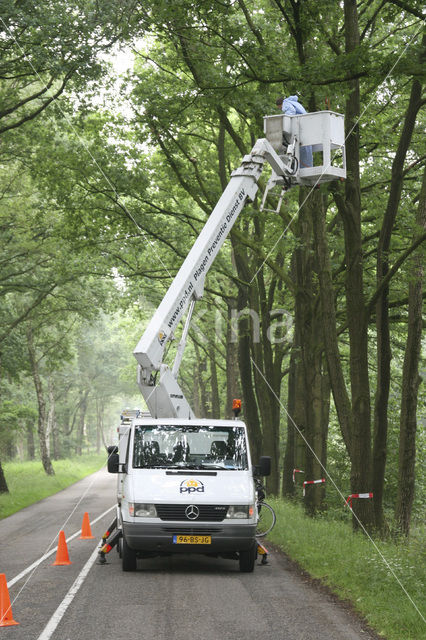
point(313, 315)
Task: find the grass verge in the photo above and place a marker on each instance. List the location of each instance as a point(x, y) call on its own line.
point(349, 564)
point(28, 482)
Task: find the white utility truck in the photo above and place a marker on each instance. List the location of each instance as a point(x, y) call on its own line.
point(187, 485)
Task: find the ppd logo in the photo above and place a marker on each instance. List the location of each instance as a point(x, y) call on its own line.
point(191, 486)
point(161, 337)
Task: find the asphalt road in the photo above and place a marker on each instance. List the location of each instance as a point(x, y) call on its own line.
point(175, 598)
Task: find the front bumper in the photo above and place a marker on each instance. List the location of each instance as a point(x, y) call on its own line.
point(158, 537)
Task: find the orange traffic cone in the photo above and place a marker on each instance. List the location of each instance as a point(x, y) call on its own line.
point(62, 557)
point(6, 617)
point(86, 532)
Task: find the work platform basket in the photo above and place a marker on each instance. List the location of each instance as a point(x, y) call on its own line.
point(318, 141)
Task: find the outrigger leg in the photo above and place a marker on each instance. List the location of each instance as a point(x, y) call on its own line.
point(262, 551)
point(110, 529)
point(109, 540)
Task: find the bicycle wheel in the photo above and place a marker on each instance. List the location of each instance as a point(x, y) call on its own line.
point(266, 521)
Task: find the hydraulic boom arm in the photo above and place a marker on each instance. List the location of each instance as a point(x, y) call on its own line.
point(164, 396)
point(323, 132)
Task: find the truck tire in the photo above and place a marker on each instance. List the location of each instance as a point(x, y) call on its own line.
point(128, 556)
point(247, 559)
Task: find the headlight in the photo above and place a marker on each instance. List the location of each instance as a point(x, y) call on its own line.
point(142, 510)
point(240, 511)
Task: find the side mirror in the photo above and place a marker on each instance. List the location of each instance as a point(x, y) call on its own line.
point(113, 459)
point(264, 467)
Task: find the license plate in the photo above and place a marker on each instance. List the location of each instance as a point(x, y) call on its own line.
point(181, 539)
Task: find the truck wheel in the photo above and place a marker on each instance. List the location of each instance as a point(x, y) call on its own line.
point(128, 556)
point(120, 547)
point(248, 559)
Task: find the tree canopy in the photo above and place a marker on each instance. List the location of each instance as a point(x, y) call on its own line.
point(313, 313)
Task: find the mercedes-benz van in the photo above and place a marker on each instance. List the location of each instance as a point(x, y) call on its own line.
point(186, 486)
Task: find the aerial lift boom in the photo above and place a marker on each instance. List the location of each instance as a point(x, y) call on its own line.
point(323, 132)
point(157, 382)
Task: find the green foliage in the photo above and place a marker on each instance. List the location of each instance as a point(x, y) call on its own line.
point(48, 47)
point(14, 418)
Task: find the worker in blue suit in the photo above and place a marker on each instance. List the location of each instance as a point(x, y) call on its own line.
point(292, 107)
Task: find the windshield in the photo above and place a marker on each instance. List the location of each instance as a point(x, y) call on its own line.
point(189, 447)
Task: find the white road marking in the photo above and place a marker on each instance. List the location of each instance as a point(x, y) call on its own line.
point(60, 611)
point(35, 564)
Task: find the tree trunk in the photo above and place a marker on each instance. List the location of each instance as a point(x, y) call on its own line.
point(10, 450)
point(328, 322)
point(205, 396)
point(52, 429)
point(311, 346)
point(325, 406)
point(232, 371)
point(266, 367)
point(56, 443)
point(288, 487)
point(215, 411)
point(196, 389)
point(81, 421)
point(251, 411)
point(384, 354)
point(100, 430)
point(410, 383)
point(299, 415)
point(200, 383)
point(3, 484)
point(316, 432)
point(98, 425)
point(41, 426)
point(30, 440)
point(250, 406)
point(355, 305)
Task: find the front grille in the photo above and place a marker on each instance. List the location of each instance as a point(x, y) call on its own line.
point(192, 531)
point(207, 512)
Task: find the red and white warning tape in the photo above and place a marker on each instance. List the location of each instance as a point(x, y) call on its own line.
point(357, 495)
point(322, 480)
point(294, 474)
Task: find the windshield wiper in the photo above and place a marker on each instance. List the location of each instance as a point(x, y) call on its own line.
point(189, 466)
point(213, 465)
point(154, 466)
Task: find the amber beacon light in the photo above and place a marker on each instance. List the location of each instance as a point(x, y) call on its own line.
point(236, 406)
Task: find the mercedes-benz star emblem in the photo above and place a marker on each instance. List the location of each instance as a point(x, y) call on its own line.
point(192, 512)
